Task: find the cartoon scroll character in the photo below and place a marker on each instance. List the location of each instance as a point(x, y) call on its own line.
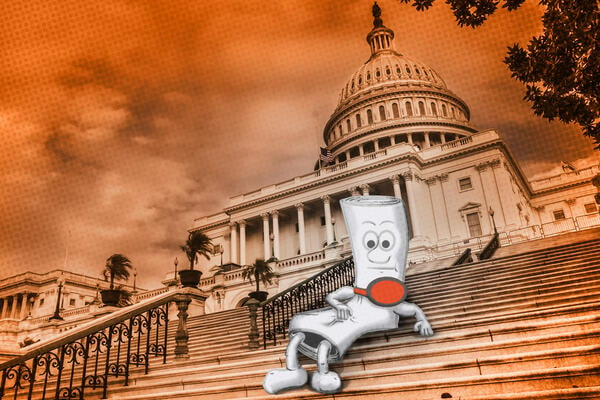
point(378, 231)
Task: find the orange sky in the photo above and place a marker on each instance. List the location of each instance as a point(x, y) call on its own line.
point(122, 121)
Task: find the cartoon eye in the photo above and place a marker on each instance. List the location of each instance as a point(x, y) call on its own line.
point(387, 240)
point(370, 240)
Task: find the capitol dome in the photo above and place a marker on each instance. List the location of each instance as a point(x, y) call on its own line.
point(391, 99)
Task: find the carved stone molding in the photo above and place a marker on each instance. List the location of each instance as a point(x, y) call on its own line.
point(481, 166)
point(443, 177)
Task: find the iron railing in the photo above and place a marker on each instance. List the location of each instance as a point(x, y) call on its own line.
point(85, 360)
point(306, 295)
point(489, 250)
point(464, 258)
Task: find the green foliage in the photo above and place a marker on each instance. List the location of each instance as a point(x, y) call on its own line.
point(117, 267)
point(260, 271)
point(561, 67)
point(196, 244)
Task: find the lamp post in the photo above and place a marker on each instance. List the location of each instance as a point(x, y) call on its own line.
point(56, 316)
point(491, 212)
point(272, 238)
point(134, 279)
point(221, 251)
point(333, 227)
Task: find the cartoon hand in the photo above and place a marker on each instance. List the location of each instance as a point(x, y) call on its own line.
point(343, 312)
point(424, 328)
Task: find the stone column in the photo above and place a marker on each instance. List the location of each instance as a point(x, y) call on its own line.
point(23, 310)
point(443, 137)
point(301, 234)
point(242, 225)
point(444, 178)
point(365, 189)
point(13, 310)
point(266, 244)
point(233, 242)
point(275, 216)
point(427, 141)
point(253, 335)
point(328, 226)
point(396, 184)
point(494, 164)
point(4, 307)
point(409, 138)
point(412, 203)
point(480, 168)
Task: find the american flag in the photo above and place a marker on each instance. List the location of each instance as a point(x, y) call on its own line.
point(325, 155)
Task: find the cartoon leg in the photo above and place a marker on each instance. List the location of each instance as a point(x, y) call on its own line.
point(293, 375)
point(325, 381)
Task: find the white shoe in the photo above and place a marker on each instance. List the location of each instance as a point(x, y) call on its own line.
point(326, 383)
point(280, 379)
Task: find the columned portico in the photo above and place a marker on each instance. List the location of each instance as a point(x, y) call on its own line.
point(242, 225)
point(23, 307)
point(328, 225)
point(301, 234)
point(13, 311)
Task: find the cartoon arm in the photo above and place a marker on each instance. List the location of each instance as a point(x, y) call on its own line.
point(406, 309)
point(337, 298)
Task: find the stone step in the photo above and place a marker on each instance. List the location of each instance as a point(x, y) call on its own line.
point(371, 388)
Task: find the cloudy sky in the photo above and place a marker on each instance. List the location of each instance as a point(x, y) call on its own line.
point(121, 121)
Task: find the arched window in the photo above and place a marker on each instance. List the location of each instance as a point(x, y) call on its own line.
point(433, 109)
point(395, 110)
point(382, 116)
point(453, 113)
point(358, 121)
point(369, 117)
point(421, 108)
point(409, 110)
point(348, 126)
point(340, 130)
point(444, 110)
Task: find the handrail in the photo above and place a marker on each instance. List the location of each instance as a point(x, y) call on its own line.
point(490, 248)
point(464, 258)
point(306, 295)
point(103, 348)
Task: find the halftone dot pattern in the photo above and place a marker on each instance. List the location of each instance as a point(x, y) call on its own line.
point(124, 120)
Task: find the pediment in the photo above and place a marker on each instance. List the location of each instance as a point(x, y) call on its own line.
point(470, 206)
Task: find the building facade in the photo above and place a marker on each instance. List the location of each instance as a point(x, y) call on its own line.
point(398, 131)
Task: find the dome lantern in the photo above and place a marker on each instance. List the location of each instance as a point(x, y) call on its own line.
point(380, 39)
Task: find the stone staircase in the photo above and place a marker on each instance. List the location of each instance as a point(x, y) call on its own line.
point(522, 326)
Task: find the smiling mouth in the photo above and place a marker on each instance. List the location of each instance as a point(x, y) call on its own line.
point(381, 262)
point(385, 268)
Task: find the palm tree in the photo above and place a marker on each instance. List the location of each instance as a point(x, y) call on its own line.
point(117, 266)
point(261, 271)
point(196, 244)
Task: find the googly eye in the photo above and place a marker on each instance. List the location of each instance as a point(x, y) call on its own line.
point(370, 240)
point(387, 240)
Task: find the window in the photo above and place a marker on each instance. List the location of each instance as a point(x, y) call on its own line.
point(395, 110)
point(348, 126)
point(72, 302)
point(340, 130)
point(400, 139)
point(382, 113)
point(558, 215)
point(421, 108)
point(41, 302)
point(369, 116)
point(590, 208)
point(342, 157)
point(433, 109)
point(297, 228)
point(409, 110)
point(354, 152)
point(368, 147)
point(465, 184)
point(474, 224)
point(444, 110)
point(358, 121)
point(322, 220)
